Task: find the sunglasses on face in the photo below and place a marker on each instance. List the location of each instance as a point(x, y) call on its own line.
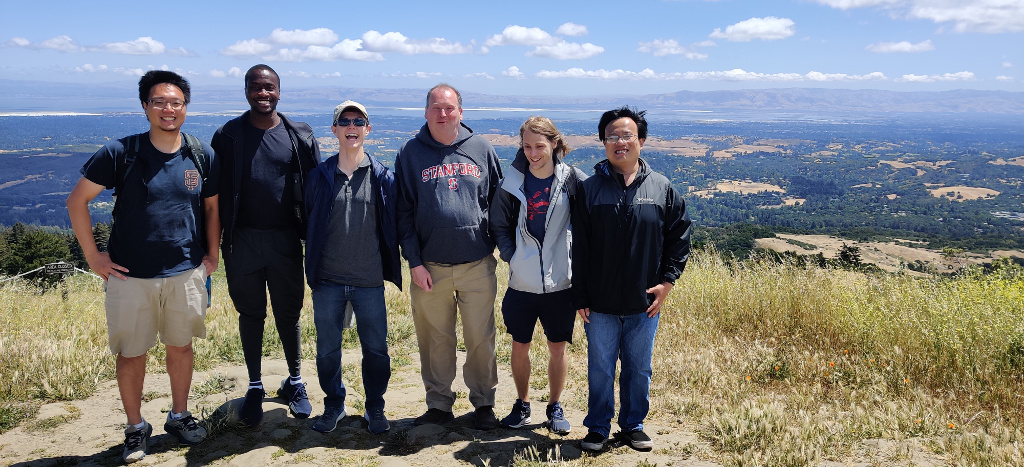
point(350, 121)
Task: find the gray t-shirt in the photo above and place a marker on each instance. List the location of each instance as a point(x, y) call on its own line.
point(351, 253)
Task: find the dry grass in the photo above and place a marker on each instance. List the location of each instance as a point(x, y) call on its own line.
point(768, 364)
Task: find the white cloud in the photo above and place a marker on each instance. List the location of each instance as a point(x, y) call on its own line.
point(89, 68)
point(218, 74)
point(347, 49)
point(826, 77)
point(60, 43)
point(1007, 65)
point(513, 72)
point(567, 51)
point(619, 74)
point(397, 42)
point(705, 43)
point(142, 46)
point(572, 29)
point(736, 74)
point(959, 76)
point(986, 16)
point(904, 46)
point(318, 36)
point(130, 71)
point(661, 48)
point(18, 42)
point(847, 4)
point(479, 75)
point(235, 72)
point(245, 48)
point(766, 29)
point(181, 52)
point(1004, 78)
point(520, 35)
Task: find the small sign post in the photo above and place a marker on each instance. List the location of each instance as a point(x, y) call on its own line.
point(62, 268)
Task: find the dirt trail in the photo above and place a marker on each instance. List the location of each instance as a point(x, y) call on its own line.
point(95, 436)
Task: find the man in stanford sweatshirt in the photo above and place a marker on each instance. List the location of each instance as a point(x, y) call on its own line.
point(447, 176)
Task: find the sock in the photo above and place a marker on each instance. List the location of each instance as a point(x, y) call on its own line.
point(258, 384)
point(140, 425)
point(173, 416)
point(295, 380)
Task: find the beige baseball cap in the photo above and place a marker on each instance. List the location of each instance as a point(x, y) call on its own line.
point(346, 106)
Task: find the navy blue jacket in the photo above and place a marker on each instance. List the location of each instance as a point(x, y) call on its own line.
point(319, 198)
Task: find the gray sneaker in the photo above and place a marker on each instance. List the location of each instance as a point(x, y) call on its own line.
point(377, 423)
point(136, 443)
point(329, 420)
point(187, 429)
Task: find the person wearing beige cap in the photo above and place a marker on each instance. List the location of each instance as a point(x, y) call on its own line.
point(351, 249)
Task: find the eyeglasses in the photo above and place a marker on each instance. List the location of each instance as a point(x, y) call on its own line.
point(350, 121)
point(612, 139)
point(162, 104)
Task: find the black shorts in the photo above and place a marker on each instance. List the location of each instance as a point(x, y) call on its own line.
point(521, 311)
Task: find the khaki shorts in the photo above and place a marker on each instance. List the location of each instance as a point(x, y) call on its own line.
point(139, 309)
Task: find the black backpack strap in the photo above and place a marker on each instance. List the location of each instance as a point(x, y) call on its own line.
point(123, 164)
point(195, 151)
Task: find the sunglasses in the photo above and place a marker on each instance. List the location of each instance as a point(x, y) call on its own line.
point(350, 121)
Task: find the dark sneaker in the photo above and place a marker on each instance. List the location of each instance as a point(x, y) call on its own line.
point(519, 416)
point(484, 419)
point(434, 417)
point(136, 443)
point(594, 441)
point(636, 439)
point(186, 429)
point(251, 411)
point(377, 423)
point(556, 420)
point(329, 420)
point(298, 402)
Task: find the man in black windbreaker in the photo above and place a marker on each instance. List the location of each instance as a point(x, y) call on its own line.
point(631, 240)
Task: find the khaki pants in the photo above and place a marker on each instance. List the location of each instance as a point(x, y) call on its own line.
point(139, 309)
point(468, 289)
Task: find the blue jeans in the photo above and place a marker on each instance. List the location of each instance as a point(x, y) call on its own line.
point(329, 300)
point(610, 338)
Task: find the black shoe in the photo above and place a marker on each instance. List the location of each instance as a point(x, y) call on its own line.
point(636, 439)
point(594, 441)
point(251, 411)
point(519, 417)
point(295, 394)
point(484, 419)
point(434, 417)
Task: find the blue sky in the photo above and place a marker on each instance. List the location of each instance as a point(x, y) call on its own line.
point(539, 48)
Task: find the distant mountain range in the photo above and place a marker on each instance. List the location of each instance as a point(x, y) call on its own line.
point(26, 96)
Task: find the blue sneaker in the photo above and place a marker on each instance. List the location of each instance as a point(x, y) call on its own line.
point(251, 411)
point(556, 420)
point(519, 417)
point(295, 394)
point(377, 423)
point(329, 420)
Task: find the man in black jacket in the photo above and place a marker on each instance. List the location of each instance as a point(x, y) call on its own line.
point(265, 160)
point(631, 240)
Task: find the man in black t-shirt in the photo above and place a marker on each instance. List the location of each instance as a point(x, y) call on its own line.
point(163, 246)
point(266, 158)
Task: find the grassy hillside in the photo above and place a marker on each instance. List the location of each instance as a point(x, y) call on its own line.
point(769, 364)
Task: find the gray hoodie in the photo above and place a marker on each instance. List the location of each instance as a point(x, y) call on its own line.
point(444, 192)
